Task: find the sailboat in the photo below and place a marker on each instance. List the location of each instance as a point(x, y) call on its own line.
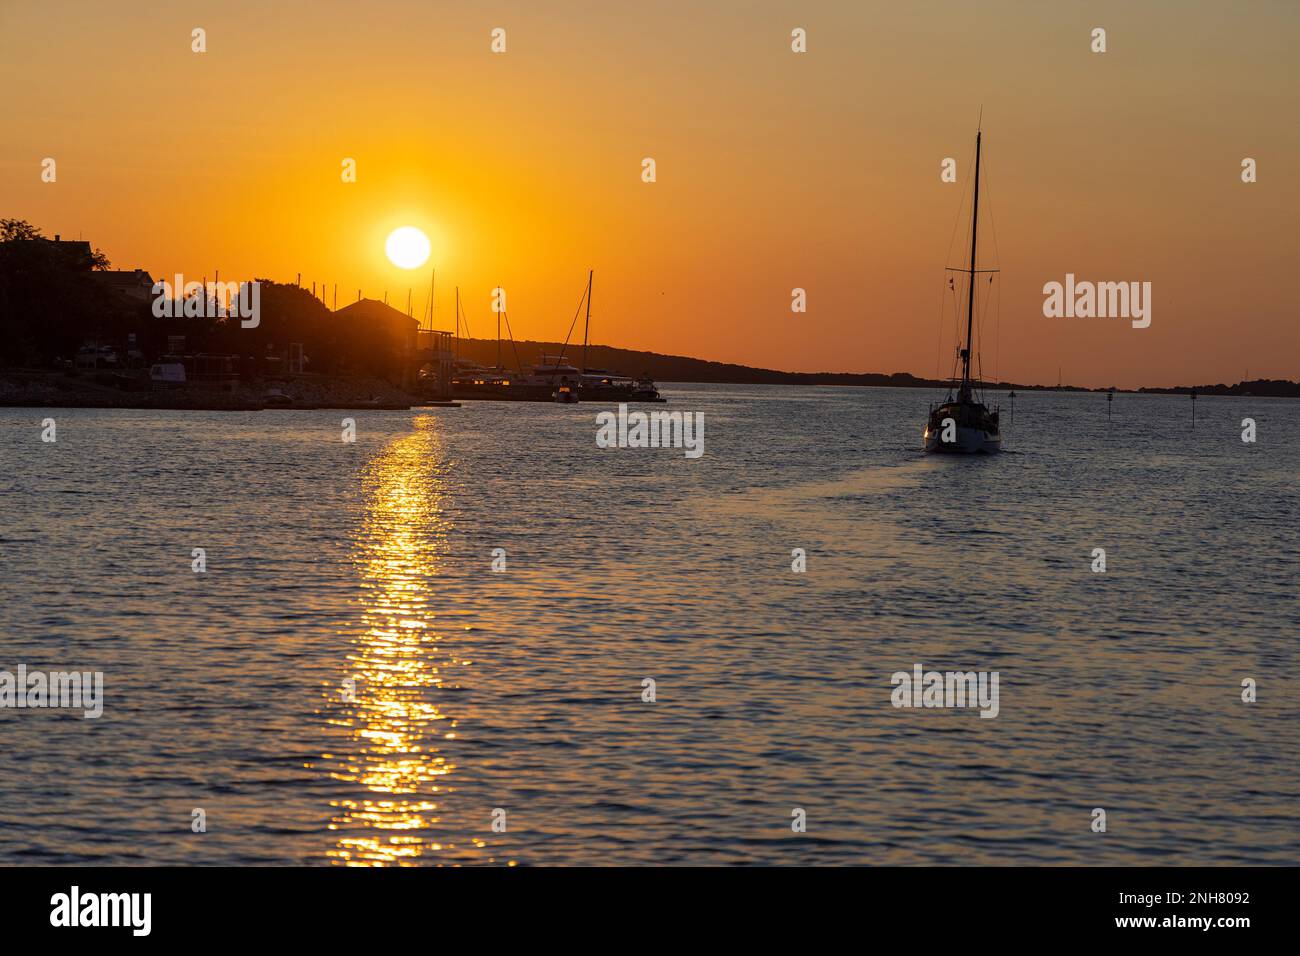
point(963, 425)
point(602, 385)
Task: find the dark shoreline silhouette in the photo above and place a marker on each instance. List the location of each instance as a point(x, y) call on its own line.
point(62, 309)
point(38, 388)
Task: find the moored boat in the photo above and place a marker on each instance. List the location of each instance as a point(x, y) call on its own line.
point(542, 381)
point(600, 385)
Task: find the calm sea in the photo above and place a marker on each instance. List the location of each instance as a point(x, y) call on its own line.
point(350, 681)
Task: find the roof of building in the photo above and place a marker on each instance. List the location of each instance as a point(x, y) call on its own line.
point(77, 247)
point(126, 277)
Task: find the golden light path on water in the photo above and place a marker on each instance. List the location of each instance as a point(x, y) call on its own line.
point(395, 723)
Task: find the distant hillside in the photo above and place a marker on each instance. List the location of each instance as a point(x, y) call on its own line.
point(679, 368)
point(670, 368)
point(1268, 387)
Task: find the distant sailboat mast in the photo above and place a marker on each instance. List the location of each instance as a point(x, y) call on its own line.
point(965, 393)
point(587, 324)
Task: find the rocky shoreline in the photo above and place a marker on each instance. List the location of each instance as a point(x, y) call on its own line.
point(39, 389)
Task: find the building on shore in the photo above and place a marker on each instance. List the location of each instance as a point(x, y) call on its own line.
point(134, 283)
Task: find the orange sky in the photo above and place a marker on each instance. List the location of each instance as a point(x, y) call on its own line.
point(775, 170)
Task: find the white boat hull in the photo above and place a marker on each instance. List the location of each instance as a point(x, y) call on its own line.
point(969, 441)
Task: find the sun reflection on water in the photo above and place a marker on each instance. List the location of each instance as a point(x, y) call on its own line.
point(395, 720)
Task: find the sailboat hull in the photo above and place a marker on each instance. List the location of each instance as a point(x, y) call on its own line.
point(968, 427)
point(968, 441)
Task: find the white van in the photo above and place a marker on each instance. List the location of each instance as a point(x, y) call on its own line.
point(167, 375)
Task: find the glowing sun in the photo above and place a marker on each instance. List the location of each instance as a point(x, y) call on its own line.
point(407, 248)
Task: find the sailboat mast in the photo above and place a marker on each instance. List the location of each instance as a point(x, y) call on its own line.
point(970, 294)
point(587, 324)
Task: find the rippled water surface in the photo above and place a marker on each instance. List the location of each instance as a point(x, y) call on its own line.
point(351, 683)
